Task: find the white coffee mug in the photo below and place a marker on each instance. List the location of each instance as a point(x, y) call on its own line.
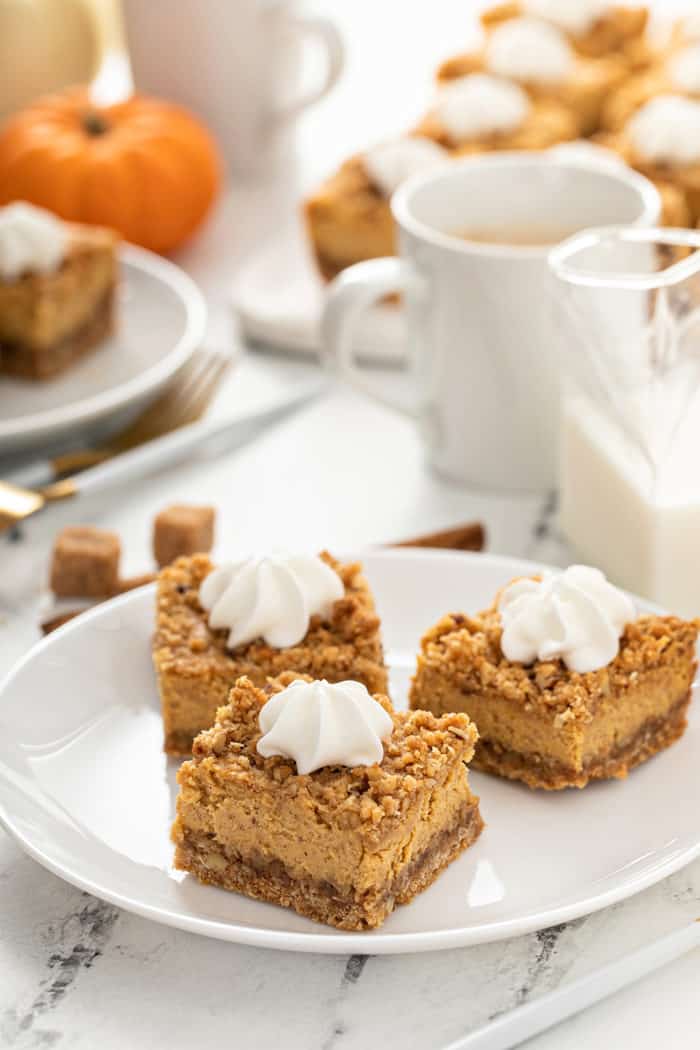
point(482, 342)
point(235, 63)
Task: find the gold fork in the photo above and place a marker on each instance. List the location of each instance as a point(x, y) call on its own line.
point(184, 402)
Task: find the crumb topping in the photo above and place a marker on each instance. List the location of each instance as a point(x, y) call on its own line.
point(184, 640)
point(350, 183)
point(468, 649)
point(423, 747)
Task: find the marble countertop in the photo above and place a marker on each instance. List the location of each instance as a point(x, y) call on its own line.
point(78, 973)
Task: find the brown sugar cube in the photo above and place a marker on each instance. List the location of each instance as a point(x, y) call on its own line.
point(182, 530)
point(85, 562)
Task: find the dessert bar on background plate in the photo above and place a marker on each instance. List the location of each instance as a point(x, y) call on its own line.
point(48, 321)
point(125, 370)
point(543, 858)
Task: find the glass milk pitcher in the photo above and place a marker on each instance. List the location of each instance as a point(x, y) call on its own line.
point(627, 303)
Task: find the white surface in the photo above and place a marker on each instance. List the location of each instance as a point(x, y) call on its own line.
point(514, 1027)
point(161, 319)
point(87, 791)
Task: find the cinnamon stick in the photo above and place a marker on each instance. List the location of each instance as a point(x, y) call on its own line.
point(468, 537)
point(128, 583)
point(57, 621)
point(132, 582)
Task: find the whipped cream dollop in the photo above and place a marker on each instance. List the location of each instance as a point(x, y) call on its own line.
point(272, 597)
point(32, 240)
point(690, 27)
point(531, 50)
point(581, 151)
point(684, 69)
point(391, 163)
point(318, 724)
point(666, 130)
point(576, 616)
point(573, 16)
point(480, 104)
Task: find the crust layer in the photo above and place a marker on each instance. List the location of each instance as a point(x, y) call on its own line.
point(321, 901)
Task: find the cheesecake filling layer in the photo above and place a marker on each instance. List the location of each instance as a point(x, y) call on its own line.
point(541, 770)
point(268, 878)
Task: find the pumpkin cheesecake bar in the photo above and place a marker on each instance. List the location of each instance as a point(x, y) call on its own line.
point(539, 720)
point(198, 657)
point(346, 841)
point(57, 291)
point(349, 218)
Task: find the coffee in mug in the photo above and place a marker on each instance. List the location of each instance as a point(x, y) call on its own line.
point(532, 235)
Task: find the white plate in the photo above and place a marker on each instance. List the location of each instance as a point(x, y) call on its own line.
point(87, 791)
point(160, 320)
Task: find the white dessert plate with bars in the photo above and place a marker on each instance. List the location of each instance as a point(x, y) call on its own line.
point(161, 318)
point(86, 790)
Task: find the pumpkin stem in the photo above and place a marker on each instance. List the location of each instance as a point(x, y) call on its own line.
point(94, 123)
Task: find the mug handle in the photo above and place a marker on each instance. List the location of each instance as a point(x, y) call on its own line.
point(349, 296)
point(324, 33)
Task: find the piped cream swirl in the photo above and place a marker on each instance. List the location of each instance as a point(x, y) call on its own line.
point(667, 130)
point(480, 104)
point(272, 597)
point(318, 724)
point(576, 616)
point(573, 16)
point(32, 240)
point(684, 69)
point(530, 50)
point(391, 163)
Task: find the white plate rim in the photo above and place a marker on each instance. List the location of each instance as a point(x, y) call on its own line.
point(106, 401)
point(369, 943)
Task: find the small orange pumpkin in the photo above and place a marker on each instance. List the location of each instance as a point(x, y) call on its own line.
point(148, 169)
